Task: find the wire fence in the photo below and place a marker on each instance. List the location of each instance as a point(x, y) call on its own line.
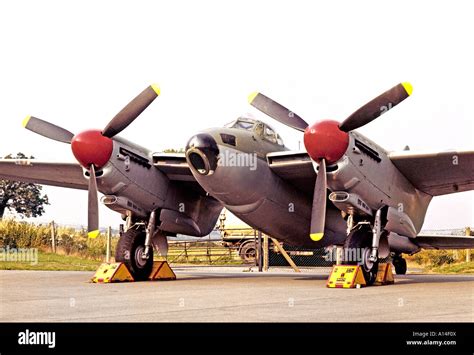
point(203, 252)
point(243, 253)
point(301, 257)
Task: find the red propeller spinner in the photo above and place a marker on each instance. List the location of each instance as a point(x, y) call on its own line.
point(325, 140)
point(91, 147)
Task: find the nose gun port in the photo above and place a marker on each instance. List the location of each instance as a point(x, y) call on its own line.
point(202, 153)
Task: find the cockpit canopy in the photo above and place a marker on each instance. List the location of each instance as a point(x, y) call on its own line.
point(260, 128)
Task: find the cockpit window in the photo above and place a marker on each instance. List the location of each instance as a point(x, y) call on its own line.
point(230, 124)
point(242, 124)
point(270, 134)
point(261, 129)
point(279, 140)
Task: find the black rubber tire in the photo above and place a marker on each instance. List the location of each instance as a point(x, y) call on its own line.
point(127, 253)
point(248, 251)
point(361, 238)
point(400, 265)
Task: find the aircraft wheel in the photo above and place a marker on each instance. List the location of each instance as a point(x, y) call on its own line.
point(129, 251)
point(359, 243)
point(248, 252)
point(400, 265)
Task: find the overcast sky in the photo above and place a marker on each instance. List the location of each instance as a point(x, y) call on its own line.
point(77, 63)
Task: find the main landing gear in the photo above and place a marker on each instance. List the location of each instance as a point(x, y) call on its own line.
point(130, 251)
point(358, 249)
point(362, 244)
point(135, 247)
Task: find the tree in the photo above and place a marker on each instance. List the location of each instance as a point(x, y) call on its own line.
point(172, 150)
point(24, 198)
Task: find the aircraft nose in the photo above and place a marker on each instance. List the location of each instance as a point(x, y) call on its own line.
point(202, 153)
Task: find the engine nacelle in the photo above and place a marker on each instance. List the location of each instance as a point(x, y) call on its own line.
point(123, 205)
point(132, 184)
point(350, 203)
point(399, 222)
point(400, 244)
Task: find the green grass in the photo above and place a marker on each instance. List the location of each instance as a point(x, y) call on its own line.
point(56, 262)
point(458, 268)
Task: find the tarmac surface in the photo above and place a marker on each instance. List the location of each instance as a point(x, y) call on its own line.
point(229, 294)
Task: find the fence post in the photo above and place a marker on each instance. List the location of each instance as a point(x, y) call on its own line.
point(260, 252)
point(468, 251)
point(109, 244)
point(208, 251)
point(53, 237)
point(265, 252)
point(256, 246)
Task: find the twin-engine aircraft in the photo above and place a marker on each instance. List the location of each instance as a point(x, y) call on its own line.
point(376, 204)
point(377, 199)
point(154, 202)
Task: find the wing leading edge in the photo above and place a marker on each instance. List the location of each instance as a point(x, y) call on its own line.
point(433, 241)
point(44, 173)
point(438, 173)
point(294, 167)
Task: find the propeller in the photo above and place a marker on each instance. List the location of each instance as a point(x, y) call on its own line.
point(130, 112)
point(374, 108)
point(93, 148)
point(92, 206)
point(318, 210)
point(327, 141)
point(277, 111)
point(47, 129)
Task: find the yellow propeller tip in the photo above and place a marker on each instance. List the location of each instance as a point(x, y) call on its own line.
point(25, 121)
point(316, 236)
point(252, 96)
point(93, 234)
point(156, 88)
point(408, 87)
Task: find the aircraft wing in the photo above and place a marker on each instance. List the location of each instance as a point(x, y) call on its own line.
point(437, 173)
point(433, 241)
point(176, 168)
point(44, 173)
point(295, 167)
point(70, 175)
point(173, 165)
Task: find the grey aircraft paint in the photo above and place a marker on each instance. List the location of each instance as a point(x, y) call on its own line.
point(258, 196)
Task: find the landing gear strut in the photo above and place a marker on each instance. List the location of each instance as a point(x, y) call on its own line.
point(150, 232)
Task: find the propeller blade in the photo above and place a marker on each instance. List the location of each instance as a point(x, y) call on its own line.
point(93, 206)
point(374, 108)
point(277, 111)
point(47, 129)
point(318, 211)
point(130, 112)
